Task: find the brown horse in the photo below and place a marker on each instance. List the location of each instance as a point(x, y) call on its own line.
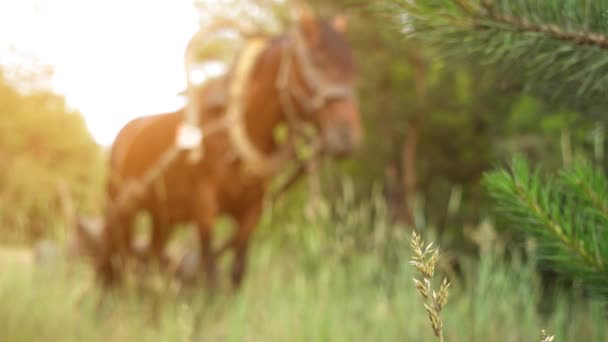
point(319, 86)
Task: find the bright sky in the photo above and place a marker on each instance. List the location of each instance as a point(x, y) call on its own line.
point(113, 59)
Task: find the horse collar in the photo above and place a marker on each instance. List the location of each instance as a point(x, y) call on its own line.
point(255, 160)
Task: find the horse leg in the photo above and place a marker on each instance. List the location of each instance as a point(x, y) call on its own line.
point(247, 223)
point(206, 213)
point(160, 223)
point(116, 246)
point(106, 270)
point(159, 240)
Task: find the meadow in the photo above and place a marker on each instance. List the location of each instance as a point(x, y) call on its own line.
point(342, 274)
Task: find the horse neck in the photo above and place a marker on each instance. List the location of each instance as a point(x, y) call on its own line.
point(263, 112)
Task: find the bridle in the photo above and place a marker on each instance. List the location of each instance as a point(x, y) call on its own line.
point(298, 102)
point(292, 93)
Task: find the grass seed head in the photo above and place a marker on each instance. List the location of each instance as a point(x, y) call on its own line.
point(424, 260)
point(435, 319)
point(545, 337)
point(442, 297)
point(421, 288)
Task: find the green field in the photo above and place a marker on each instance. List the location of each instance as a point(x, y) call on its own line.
point(340, 277)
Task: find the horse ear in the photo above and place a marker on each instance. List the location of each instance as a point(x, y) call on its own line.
point(340, 23)
point(307, 22)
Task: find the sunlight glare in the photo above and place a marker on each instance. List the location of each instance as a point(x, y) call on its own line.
point(113, 60)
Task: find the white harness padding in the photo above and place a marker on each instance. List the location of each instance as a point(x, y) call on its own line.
point(255, 160)
point(190, 135)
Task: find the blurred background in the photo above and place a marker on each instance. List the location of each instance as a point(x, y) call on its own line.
point(327, 264)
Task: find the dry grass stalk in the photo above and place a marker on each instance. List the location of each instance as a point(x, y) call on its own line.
point(424, 260)
point(545, 337)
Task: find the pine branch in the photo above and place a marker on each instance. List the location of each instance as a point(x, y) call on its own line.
point(566, 214)
point(591, 187)
point(552, 31)
point(557, 48)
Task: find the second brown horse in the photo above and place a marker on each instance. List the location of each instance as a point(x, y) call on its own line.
point(221, 182)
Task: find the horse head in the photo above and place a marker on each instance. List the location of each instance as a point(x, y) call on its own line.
point(321, 80)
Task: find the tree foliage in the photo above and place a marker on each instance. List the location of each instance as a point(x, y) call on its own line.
point(468, 120)
point(555, 48)
point(46, 156)
point(556, 52)
point(567, 213)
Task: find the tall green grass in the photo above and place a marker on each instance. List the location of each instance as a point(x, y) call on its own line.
point(340, 276)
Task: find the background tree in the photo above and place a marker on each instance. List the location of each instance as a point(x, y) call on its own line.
point(556, 51)
point(435, 123)
point(47, 158)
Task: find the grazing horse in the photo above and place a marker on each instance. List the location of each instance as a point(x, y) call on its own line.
point(318, 76)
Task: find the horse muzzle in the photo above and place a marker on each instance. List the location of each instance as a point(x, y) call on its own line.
point(341, 127)
point(341, 143)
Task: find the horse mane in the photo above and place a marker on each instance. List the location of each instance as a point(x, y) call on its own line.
point(331, 43)
point(336, 47)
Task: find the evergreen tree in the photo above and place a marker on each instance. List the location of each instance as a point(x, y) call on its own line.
point(554, 48)
point(557, 50)
point(567, 213)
